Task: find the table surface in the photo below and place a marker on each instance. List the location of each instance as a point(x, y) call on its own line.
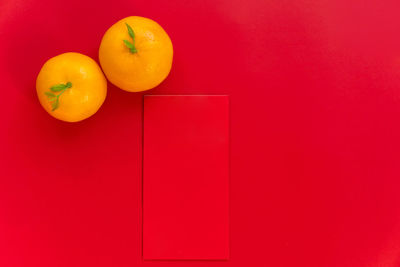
point(314, 89)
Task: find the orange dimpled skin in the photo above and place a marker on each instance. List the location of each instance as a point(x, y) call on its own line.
point(71, 87)
point(136, 54)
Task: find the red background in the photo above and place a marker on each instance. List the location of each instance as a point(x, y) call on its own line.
point(315, 102)
point(186, 197)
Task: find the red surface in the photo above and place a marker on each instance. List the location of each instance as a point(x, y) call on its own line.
point(185, 198)
point(314, 90)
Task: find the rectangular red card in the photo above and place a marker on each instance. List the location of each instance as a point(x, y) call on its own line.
point(185, 177)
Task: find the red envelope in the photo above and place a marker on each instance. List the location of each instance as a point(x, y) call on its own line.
point(185, 183)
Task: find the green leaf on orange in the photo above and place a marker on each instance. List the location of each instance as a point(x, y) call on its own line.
point(130, 31)
point(49, 94)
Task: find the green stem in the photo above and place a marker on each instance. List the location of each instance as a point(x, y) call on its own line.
point(130, 45)
point(61, 88)
point(62, 92)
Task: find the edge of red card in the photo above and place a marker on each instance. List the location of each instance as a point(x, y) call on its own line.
point(185, 177)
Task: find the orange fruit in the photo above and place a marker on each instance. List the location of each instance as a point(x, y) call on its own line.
point(136, 54)
point(71, 87)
